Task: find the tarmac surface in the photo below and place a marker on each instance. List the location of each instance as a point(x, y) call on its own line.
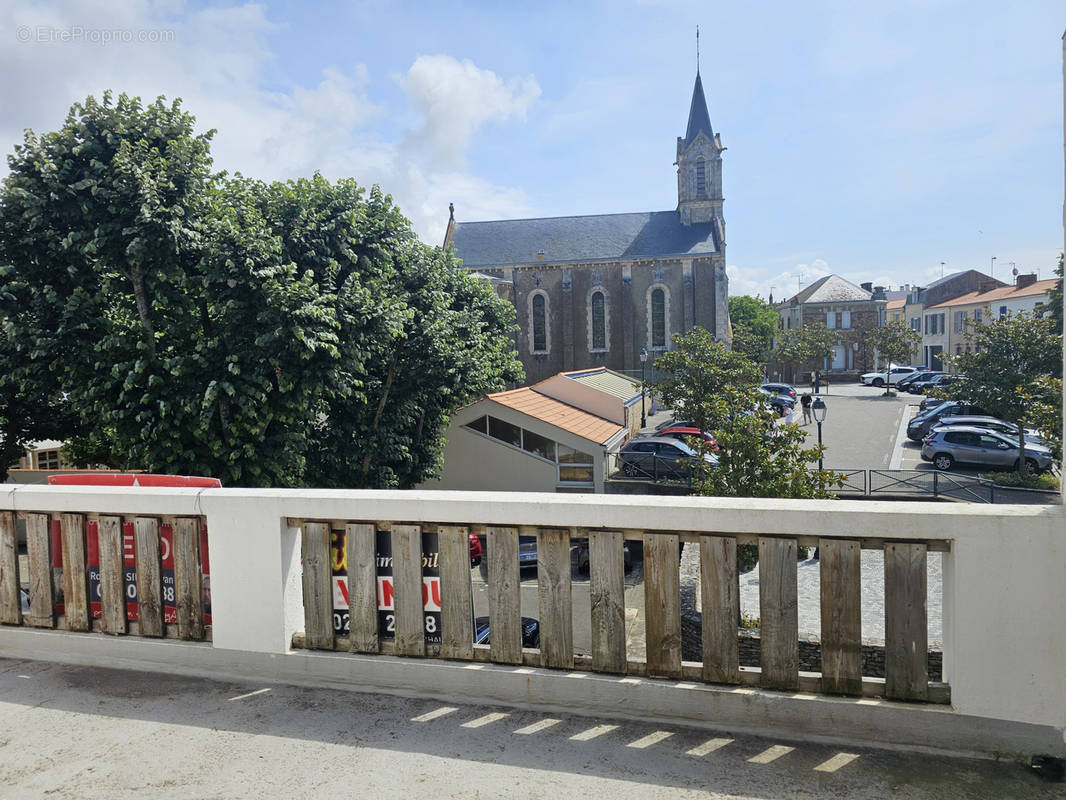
point(79, 732)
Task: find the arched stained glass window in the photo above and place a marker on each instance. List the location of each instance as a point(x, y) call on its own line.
point(599, 322)
point(540, 325)
point(658, 318)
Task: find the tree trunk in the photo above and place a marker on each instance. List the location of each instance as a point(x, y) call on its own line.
point(381, 408)
point(141, 296)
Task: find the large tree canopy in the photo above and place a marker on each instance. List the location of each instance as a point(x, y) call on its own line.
point(755, 323)
point(267, 334)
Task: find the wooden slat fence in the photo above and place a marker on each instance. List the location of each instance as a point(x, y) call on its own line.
point(105, 574)
point(384, 616)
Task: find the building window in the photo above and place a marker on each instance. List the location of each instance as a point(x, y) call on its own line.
point(505, 431)
point(480, 425)
point(960, 321)
point(1002, 312)
point(539, 341)
point(845, 320)
point(977, 314)
point(48, 459)
point(701, 178)
point(658, 316)
point(599, 318)
point(574, 466)
point(830, 319)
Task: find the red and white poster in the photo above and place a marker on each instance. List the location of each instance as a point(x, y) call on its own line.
point(92, 566)
point(129, 560)
point(166, 557)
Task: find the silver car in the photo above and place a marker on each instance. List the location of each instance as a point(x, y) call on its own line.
point(993, 424)
point(981, 447)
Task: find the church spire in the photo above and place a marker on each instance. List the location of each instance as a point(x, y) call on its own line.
point(698, 118)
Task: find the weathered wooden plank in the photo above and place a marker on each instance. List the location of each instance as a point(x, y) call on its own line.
point(188, 591)
point(720, 591)
point(841, 597)
point(112, 575)
point(149, 576)
point(39, 556)
point(662, 605)
point(408, 589)
point(906, 631)
point(504, 606)
point(456, 599)
point(607, 590)
point(556, 606)
point(805, 540)
point(317, 586)
point(779, 613)
point(360, 542)
point(75, 574)
point(10, 603)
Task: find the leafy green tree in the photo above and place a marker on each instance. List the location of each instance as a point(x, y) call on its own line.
point(199, 324)
point(716, 390)
point(1053, 307)
point(806, 348)
point(1012, 356)
point(895, 343)
point(755, 324)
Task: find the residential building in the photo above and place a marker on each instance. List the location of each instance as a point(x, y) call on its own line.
point(933, 326)
point(841, 306)
point(959, 314)
point(596, 290)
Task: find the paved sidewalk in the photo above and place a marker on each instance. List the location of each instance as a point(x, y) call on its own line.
point(77, 732)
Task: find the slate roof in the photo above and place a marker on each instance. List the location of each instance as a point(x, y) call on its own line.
point(1000, 293)
point(831, 289)
point(597, 237)
point(568, 418)
point(613, 383)
point(698, 118)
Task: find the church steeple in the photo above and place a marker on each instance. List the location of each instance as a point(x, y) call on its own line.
point(699, 164)
point(698, 118)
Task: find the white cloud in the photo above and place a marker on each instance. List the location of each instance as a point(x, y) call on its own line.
point(456, 98)
point(268, 126)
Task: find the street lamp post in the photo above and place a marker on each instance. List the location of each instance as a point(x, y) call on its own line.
point(818, 407)
point(643, 361)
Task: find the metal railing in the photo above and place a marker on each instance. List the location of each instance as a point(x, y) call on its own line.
point(919, 483)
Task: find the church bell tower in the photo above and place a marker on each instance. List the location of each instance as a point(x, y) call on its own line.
point(699, 165)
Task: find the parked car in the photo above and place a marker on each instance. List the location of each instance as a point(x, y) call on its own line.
point(992, 424)
point(918, 427)
point(881, 378)
point(475, 550)
point(922, 385)
point(527, 551)
point(683, 433)
point(780, 403)
point(908, 382)
point(781, 388)
point(930, 403)
point(673, 423)
point(659, 457)
point(530, 631)
point(966, 444)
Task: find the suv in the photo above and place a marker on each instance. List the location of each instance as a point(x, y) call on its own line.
point(918, 427)
point(982, 447)
point(659, 457)
point(881, 378)
point(781, 388)
point(909, 382)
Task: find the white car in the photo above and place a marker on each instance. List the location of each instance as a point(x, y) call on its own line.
point(881, 378)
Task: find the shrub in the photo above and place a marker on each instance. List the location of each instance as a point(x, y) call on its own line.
point(1016, 480)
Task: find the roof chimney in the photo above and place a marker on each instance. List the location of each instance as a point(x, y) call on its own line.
point(1026, 280)
point(879, 293)
point(987, 285)
point(868, 286)
point(540, 255)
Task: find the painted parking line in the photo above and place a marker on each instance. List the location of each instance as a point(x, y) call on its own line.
point(592, 733)
point(708, 747)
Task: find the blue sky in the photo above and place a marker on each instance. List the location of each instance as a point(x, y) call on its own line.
point(872, 140)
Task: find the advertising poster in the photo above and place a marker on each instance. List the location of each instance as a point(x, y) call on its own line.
point(166, 557)
point(55, 531)
point(205, 591)
point(129, 561)
point(386, 599)
point(92, 565)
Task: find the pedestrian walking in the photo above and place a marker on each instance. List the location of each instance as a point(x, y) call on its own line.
point(817, 381)
point(805, 401)
point(788, 415)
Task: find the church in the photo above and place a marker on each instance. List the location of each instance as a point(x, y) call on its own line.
point(597, 290)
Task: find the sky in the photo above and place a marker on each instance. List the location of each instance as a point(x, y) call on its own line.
point(888, 142)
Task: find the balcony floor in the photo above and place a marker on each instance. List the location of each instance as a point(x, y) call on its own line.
point(83, 732)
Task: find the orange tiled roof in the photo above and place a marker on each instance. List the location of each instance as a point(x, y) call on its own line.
point(568, 418)
point(1001, 293)
point(892, 305)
